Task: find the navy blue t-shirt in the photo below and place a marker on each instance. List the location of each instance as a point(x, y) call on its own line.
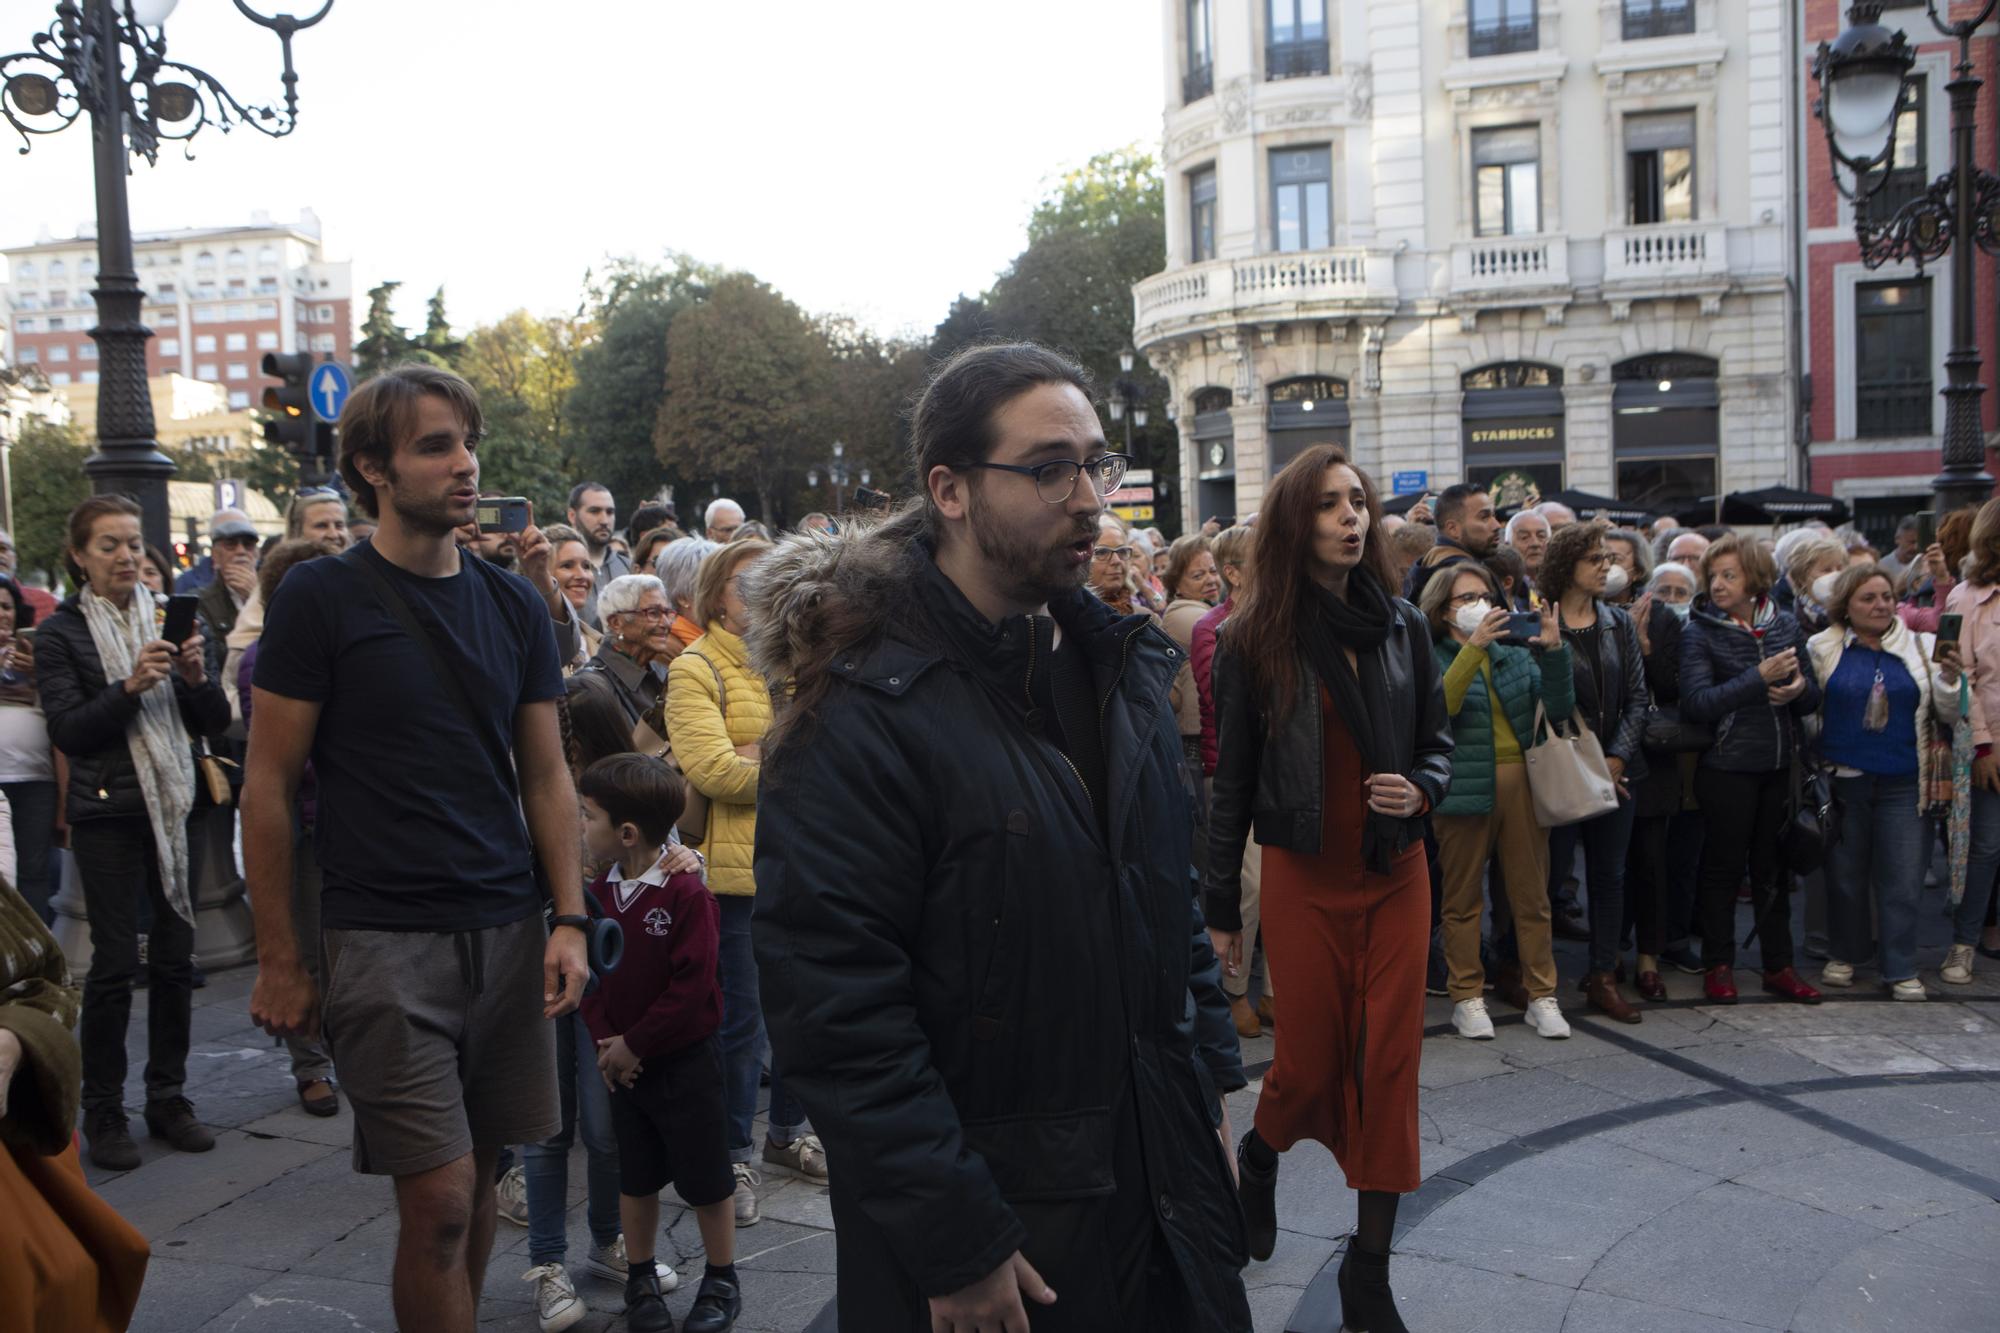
point(417, 830)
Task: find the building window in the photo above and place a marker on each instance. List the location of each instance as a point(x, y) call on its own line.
point(236, 342)
point(237, 259)
point(166, 289)
point(1301, 198)
point(1501, 27)
point(1201, 215)
point(204, 262)
point(267, 254)
point(1295, 39)
point(1658, 18)
point(239, 370)
point(58, 300)
point(57, 269)
point(204, 342)
point(170, 347)
point(169, 320)
point(322, 342)
point(1892, 358)
point(87, 351)
point(1199, 80)
point(238, 400)
point(207, 314)
point(267, 310)
point(1507, 180)
point(267, 341)
point(238, 313)
point(1910, 177)
point(1666, 433)
point(29, 356)
point(59, 352)
point(323, 313)
point(59, 377)
point(25, 269)
point(205, 371)
point(88, 377)
point(57, 323)
point(1659, 168)
point(238, 286)
point(25, 324)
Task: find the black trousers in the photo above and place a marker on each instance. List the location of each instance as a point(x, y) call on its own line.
point(119, 867)
point(1745, 814)
point(1646, 883)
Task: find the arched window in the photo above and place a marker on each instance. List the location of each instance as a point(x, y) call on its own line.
point(237, 259)
point(267, 254)
point(205, 260)
point(1212, 400)
point(1666, 433)
point(1514, 432)
point(1308, 410)
point(1512, 375)
point(25, 269)
point(57, 270)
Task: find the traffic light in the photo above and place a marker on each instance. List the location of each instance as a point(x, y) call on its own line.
point(293, 424)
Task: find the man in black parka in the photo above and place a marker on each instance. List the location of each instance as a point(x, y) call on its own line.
point(982, 967)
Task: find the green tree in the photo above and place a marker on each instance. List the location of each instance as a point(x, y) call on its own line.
point(524, 367)
point(871, 385)
point(383, 341)
point(49, 481)
point(436, 343)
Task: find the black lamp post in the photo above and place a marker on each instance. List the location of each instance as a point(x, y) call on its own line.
point(1864, 87)
point(837, 475)
point(108, 57)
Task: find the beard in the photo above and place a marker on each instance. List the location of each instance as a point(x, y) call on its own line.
point(1034, 571)
point(429, 518)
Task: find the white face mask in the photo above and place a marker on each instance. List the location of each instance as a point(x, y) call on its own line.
point(1681, 609)
point(1822, 588)
point(1470, 618)
point(1616, 580)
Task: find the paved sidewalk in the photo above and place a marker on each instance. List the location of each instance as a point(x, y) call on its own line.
point(1765, 1166)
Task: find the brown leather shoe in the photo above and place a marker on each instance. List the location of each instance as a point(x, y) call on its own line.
point(1786, 982)
point(1266, 1014)
point(1602, 988)
point(1651, 987)
point(1245, 1017)
point(1508, 986)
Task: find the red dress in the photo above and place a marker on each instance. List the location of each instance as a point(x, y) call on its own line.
point(1351, 945)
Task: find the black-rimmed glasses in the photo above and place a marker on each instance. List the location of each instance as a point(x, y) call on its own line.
point(1055, 481)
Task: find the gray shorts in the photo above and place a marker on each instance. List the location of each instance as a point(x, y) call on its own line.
point(440, 1041)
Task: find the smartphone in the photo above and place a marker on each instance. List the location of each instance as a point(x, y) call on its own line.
point(507, 513)
point(178, 627)
point(1926, 529)
point(1522, 626)
point(1950, 624)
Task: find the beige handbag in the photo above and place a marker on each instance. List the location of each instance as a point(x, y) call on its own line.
point(1567, 775)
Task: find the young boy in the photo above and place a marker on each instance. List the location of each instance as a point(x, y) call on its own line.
point(655, 1021)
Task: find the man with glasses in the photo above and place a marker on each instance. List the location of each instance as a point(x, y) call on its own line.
point(232, 553)
point(982, 967)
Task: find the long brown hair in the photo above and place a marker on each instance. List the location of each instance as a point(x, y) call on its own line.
point(1263, 631)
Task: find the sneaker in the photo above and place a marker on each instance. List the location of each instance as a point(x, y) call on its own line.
point(1837, 974)
point(747, 1181)
point(512, 1191)
point(1684, 960)
point(609, 1261)
point(716, 1306)
point(1545, 1016)
point(1908, 989)
point(646, 1306)
point(556, 1302)
point(1957, 969)
point(111, 1145)
point(803, 1156)
point(1469, 1017)
point(173, 1120)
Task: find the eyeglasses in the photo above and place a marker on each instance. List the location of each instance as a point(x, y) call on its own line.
point(648, 613)
point(1468, 598)
point(1112, 552)
point(1601, 558)
point(1055, 481)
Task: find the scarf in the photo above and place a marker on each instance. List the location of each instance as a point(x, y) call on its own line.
point(160, 747)
point(1359, 622)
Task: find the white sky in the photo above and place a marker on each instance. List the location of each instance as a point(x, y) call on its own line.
point(873, 158)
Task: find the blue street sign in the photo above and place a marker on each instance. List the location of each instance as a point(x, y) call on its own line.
point(329, 389)
point(1411, 483)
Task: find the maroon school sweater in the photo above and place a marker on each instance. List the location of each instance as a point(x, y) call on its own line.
point(663, 997)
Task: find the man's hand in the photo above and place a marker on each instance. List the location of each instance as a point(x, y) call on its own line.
point(1986, 774)
point(565, 966)
point(1228, 946)
point(992, 1304)
point(10, 1060)
point(239, 576)
point(617, 1063)
point(285, 1002)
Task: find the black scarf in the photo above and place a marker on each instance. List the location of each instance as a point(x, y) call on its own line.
point(1361, 622)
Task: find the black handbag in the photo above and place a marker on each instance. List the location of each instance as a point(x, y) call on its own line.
point(1813, 826)
point(1668, 734)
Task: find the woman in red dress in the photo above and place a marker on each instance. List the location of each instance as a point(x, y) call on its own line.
point(1333, 743)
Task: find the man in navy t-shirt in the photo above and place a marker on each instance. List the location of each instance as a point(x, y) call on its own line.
point(435, 803)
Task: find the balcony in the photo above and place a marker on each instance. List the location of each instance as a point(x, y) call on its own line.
point(1197, 83)
point(1494, 269)
point(1664, 18)
point(1502, 37)
point(1295, 60)
point(1670, 259)
point(1317, 284)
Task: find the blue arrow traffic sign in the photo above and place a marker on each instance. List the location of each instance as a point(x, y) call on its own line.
point(329, 389)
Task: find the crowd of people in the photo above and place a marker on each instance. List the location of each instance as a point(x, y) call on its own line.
point(976, 833)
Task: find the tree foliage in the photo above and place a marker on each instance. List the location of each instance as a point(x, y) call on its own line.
point(383, 342)
point(524, 368)
point(49, 481)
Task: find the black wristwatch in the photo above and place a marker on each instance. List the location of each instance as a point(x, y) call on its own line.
point(580, 922)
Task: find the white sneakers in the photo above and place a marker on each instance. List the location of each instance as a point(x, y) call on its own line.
point(1545, 1016)
point(556, 1303)
point(747, 1181)
point(1469, 1017)
point(1910, 989)
point(1957, 969)
point(512, 1192)
point(1836, 974)
point(609, 1262)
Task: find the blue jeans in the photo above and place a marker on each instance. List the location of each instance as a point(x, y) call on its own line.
point(1604, 840)
point(1883, 842)
point(1982, 862)
point(743, 1036)
point(586, 1105)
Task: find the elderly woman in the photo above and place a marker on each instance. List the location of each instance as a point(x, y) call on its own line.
point(1631, 566)
point(638, 642)
point(1812, 566)
point(1666, 826)
point(718, 710)
point(679, 566)
point(1112, 576)
point(122, 704)
point(1882, 704)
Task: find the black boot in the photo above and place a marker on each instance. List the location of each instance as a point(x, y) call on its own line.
point(1258, 1191)
point(646, 1305)
point(173, 1120)
point(1366, 1303)
point(111, 1145)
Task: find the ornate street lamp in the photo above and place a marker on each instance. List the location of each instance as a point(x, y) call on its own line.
point(109, 58)
point(837, 475)
point(1864, 87)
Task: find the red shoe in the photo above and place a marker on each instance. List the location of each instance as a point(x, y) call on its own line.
point(1720, 984)
point(1650, 987)
point(1786, 982)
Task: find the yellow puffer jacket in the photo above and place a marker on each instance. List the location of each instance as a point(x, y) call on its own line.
point(705, 743)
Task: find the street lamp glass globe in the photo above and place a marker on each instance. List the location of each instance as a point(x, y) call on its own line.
point(1860, 101)
point(838, 448)
point(152, 13)
point(1125, 359)
point(1139, 417)
point(1117, 406)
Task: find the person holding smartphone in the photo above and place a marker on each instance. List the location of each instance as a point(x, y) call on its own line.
point(122, 703)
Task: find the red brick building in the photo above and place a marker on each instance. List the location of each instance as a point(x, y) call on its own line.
point(1875, 340)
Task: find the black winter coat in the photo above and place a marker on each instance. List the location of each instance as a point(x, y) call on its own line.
point(1659, 791)
point(1621, 676)
point(1720, 685)
point(1272, 779)
point(88, 716)
point(962, 976)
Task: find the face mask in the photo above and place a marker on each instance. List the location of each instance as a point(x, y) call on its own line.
point(1616, 580)
point(1822, 588)
point(1470, 618)
point(1681, 609)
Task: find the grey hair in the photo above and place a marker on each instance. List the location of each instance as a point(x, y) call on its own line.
point(625, 592)
point(1666, 567)
point(678, 563)
point(1642, 551)
point(718, 505)
point(1514, 521)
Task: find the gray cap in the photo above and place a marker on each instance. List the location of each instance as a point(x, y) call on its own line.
point(231, 523)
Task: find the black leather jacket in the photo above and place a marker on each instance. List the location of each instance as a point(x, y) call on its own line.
point(1621, 676)
point(88, 716)
point(1272, 780)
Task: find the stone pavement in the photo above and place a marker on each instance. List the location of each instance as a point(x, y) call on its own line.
point(1765, 1166)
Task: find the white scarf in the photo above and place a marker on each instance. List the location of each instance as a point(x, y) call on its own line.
point(160, 749)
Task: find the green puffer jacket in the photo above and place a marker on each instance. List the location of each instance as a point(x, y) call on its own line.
point(1521, 681)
